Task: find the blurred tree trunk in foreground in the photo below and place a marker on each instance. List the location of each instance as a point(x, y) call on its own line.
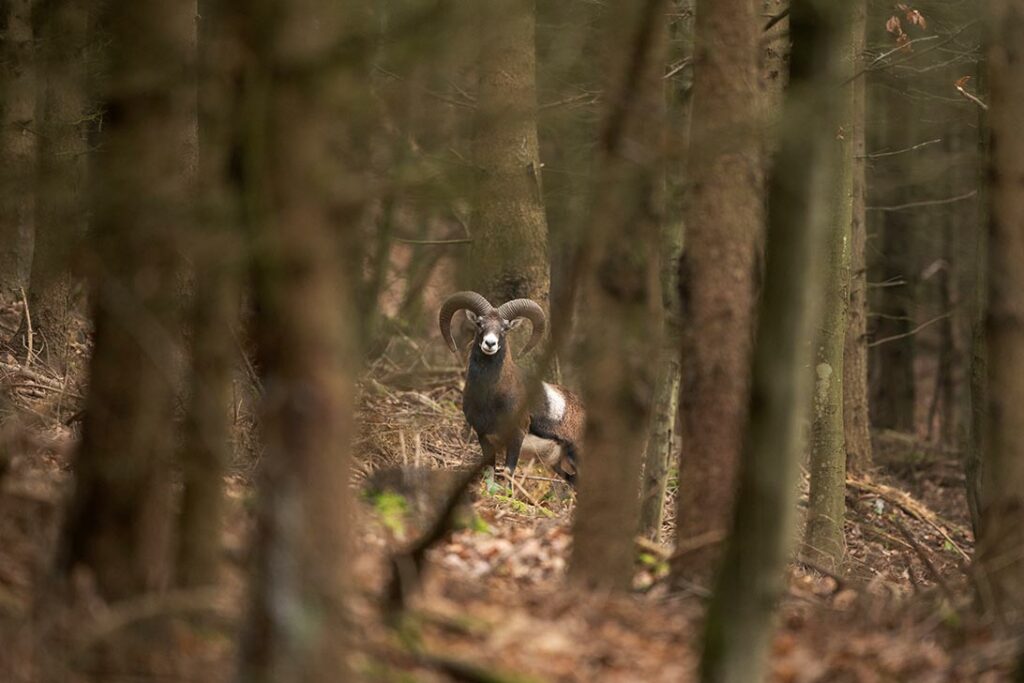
point(659, 451)
point(116, 524)
point(63, 113)
point(750, 581)
point(214, 249)
point(824, 542)
point(723, 218)
point(1001, 543)
point(509, 253)
point(17, 147)
point(618, 341)
point(856, 411)
point(304, 108)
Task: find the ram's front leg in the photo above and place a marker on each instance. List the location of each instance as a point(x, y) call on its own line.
point(514, 444)
point(488, 450)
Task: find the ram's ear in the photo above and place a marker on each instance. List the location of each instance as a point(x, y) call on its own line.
point(471, 316)
point(513, 324)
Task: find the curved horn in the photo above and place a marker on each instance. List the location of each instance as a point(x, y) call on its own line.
point(456, 302)
point(531, 310)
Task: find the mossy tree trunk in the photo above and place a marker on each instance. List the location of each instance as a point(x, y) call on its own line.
point(723, 217)
point(17, 148)
point(1000, 557)
point(824, 542)
point(622, 295)
point(856, 412)
point(117, 524)
point(304, 195)
point(214, 251)
point(750, 581)
point(63, 116)
point(509, 253)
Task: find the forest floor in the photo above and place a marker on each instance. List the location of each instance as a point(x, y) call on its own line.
point(495, 603)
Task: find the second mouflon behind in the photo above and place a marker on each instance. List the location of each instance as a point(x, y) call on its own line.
point(496, 388)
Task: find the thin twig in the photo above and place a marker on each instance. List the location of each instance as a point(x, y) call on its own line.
point(28, 329)
point(927, 561)
point(972, 98)
point(879, 155)
point(433, 242)
point(895, 337)
point(926, 202)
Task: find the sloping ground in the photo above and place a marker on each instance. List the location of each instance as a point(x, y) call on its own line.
point(495, 605)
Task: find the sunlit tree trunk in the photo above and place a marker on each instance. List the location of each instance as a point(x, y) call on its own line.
point(17, 148)
point(63, 117)
point(117, 522)
point(509, 253)
point(856, 415)
point(304, 111)
point(1000, 554)
point(658, 450)
point(824, 542)
point(723, 218)
point(622, 293)
point(738, 625)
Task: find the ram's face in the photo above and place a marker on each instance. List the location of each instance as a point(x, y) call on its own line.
point(490, 330)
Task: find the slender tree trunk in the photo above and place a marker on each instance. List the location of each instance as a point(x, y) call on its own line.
point(977, 437)
point(301, 197)
point(1000, 554)
point(824, 542)
point(17, 148)
point(63, 113)
point(856, 413)
point(738, 626)
point(893, 388)
point(214, 244)
point(723, 218)
point(509, 254)
point(659, 450)
point(623, 295)
point(117, 523)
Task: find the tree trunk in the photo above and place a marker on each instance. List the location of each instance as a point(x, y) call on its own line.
point(63, 114)
point(17, 148)
point(824, 542)
point(738, 626)
point(303, 199)
point(893, 389)
point(723, 218)
point(856, 414)
point(509, 254)
point(206, 447)
point(658, 450)
point(623, 296)
point(1000, 555)
point(117, 523)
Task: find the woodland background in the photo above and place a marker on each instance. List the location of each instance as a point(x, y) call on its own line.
point(782, 251)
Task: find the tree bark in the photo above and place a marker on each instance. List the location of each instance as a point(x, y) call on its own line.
point(303, 199)
point(856, 411)
point(659, 450)
point(509, 253)
point(206, 443)
point(623, 295)
point(892, 363)
point(63, 115)
point(824, 541)
point(723, 218)
point(738, 625)
point(117, 523)
point(17, 148)
point(1000, 556)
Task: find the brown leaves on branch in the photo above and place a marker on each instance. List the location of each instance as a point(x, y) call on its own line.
point(894, 25)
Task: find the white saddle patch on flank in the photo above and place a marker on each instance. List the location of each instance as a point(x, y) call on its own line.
point(556, 403)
